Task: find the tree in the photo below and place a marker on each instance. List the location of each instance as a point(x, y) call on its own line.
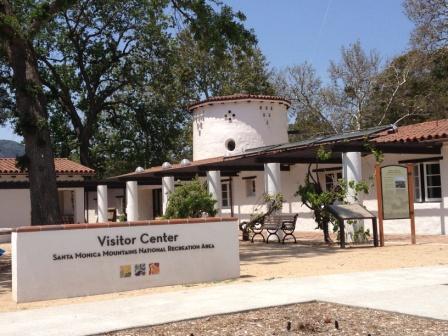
point(411, 88)
point(20, 24)
point(241, 68)
point(431, 23)
point(305, 90)
point(149, 130)
point(352, 81)
point(317, 199)
point(190, 199)
point(97, 50)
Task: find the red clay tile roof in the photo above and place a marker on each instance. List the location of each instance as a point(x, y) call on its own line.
point(429, 130)
point(239, 96)
point(63, 167)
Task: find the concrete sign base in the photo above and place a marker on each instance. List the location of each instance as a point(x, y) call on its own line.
point(61, 261)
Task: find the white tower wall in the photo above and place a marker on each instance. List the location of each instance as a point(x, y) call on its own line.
point(249, 124)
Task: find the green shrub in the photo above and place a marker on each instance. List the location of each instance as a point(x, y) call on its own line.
point(190, 199)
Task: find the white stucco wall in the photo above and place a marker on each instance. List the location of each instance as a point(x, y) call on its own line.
point(145, 206)
point(252, 124)
point(15, 209)
point(77, 208)
point(290, 181)
point(431, 217)
point(115, 199)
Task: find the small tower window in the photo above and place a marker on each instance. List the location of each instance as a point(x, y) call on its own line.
point(229, 116)
point(230, 145)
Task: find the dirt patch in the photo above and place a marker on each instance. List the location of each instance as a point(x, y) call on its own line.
point(315, 318)
point(259, 261)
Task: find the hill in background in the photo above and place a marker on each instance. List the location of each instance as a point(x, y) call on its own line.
point(11, 149)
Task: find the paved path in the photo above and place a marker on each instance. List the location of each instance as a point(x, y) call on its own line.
point(418, 291)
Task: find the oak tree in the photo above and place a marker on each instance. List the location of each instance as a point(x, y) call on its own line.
point(21, 22)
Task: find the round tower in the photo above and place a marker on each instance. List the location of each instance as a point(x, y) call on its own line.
point(230, 125)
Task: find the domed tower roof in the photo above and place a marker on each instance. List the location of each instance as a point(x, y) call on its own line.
point(238, 96)
point(229, 125)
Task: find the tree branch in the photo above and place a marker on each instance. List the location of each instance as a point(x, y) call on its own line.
point(45, 12)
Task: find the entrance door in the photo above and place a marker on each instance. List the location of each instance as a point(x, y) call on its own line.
point(157, 202)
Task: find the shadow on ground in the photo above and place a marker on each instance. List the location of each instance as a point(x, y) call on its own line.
point(275, 253)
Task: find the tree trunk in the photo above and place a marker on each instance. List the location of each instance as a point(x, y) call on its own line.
point(84, 148)
point(327, 237)
point(33, 123)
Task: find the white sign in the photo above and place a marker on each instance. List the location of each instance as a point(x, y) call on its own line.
point(394, 181)
point(67, 263)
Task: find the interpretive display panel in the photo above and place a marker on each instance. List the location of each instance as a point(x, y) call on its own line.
point(394, 181)
point(60, 262)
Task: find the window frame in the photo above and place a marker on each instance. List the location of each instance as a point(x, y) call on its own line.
point(251, 187)
point(227, 191)
point(422, 185)
point(334, 177)
point(427, 187)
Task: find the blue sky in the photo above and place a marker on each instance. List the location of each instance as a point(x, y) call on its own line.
point(293, 31)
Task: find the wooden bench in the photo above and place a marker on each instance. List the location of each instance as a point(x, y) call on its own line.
point(273, 224)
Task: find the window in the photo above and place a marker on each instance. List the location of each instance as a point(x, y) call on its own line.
point(230, 145)
point(225, 191)
point(427, 182)
point(331, 180)
point(417, 187)
point(250, 187)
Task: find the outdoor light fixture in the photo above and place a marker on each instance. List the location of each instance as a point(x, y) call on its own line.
point(166, 165)
point(185, 162)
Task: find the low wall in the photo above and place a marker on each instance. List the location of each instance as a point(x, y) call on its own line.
point(60, 261)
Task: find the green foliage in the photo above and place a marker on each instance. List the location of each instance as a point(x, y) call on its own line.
point(431, 23)
point(274, 203)
point(411, 88)
point(190, 199)
point(361, 235)
point(118, 75)
point(377, 154)
point(323, 154)
point(241, 68)
point(316, 199)
point(365, 91)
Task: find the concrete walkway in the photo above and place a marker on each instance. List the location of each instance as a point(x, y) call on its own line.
point(417, 291)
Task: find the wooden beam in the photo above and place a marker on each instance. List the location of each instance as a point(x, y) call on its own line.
point(410, 169)
point(191, 175)
point(236, 168)
point(434, 158)
point(392, 148)
point(323, 170)
point(294, 160)
point(232, 168)
point(379, 196)
point(88, 184)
